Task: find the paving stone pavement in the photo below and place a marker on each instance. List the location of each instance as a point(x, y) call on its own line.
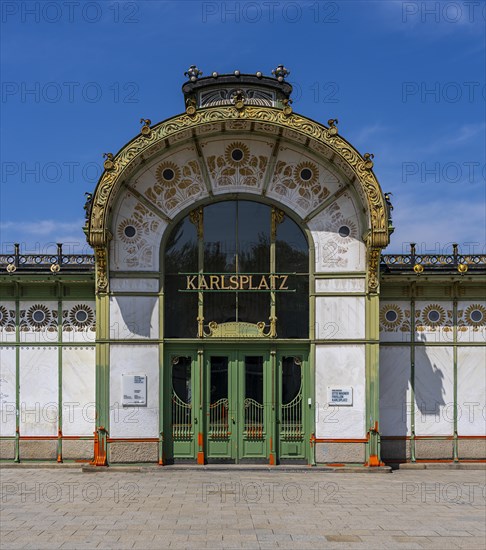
point(69, 509)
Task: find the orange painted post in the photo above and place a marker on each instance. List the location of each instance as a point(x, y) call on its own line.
point(200, 454)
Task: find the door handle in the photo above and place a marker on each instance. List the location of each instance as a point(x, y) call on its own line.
point(233, 420)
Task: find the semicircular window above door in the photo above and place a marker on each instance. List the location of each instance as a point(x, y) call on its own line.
point(236, 269)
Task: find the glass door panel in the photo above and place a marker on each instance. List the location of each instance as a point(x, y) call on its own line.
point(291, 426)
point(253, 434)
point(219, 413)
point(182, 413)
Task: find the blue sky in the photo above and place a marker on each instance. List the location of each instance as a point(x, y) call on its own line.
point(405, 79)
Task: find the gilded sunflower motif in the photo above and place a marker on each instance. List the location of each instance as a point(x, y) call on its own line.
point(129, 231)
point(476, 315)
point(3, 316)
point(236, 154)
point(391, 317)
point(433, 315)
point(168, 174)
point(306, 174)
point(38, 316)
point(81, 316)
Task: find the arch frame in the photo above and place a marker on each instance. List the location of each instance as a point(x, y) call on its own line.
point(125, 163)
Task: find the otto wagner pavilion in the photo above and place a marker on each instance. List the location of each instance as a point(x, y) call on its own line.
point(239, 308)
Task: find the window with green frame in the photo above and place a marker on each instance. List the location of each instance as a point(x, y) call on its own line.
point(237, 237)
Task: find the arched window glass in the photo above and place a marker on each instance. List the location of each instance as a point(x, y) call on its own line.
point(236, 261)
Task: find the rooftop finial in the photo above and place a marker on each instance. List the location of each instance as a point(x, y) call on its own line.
point(193, 73)
point(280, 73)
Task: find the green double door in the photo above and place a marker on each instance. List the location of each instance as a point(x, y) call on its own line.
point(236, 405)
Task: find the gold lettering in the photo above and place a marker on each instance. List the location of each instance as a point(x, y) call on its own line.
point(190, 282)
point(263, 284)
point(203, 285)
point(272, 281)
point(251, 287)
point(244, 280)
point(214, 282)
point(223, 287)
point(233, 282)
point(284, 280)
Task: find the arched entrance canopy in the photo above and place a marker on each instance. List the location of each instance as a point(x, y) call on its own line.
point(263, 120)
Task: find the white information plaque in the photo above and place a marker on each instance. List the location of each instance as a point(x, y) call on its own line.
point(134, 387)
point(340, 396)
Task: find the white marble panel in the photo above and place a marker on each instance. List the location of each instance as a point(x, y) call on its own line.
point(78, 321)
point(434, 321)
point(471, 391)
point(341, 286)
point(78, 390)
point(38, 321)
point(471, 321)
point(245, 175)
point(301, 180)
point(434, 390)
point(7, 321)
point(339, 317)
point(134, 421)
point(395, 390)
point(395, 321)
point(336, 250)
point(7, 390)
point(134, 317)
point(340, 366)
point(39, 390)
point(137, 233)
point(134, 285)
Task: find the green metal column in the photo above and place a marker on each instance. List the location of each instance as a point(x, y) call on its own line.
point(372, 358)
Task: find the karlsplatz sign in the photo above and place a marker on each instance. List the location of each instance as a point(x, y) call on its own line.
point(237, 282)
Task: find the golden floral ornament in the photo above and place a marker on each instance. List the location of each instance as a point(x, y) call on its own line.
point(129, 231)
point(3, 316)
point(168, 174)
point(475, 315)
point(38, 316)
point(433, 316)
point(391, 317)
point(307, 174)
point(81, 316)
point(236, 154)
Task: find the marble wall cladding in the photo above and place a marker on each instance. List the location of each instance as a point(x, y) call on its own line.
point(471, 321)
point(7, 390)
point(338, 366)
point(137, 233)
point(78, 390)
point(471, 391)
point(395, 390)
point(134, 285)
point(340, 286)
point(126, 422)
point(7, 321)
point(340, 318)
point(78, 321)
point(134, 317)
point(237, 164)
point(337, 234)
point(38, 390)
point(434, 321)
point(39, 321)
point(395, 321)
point(434, 390)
